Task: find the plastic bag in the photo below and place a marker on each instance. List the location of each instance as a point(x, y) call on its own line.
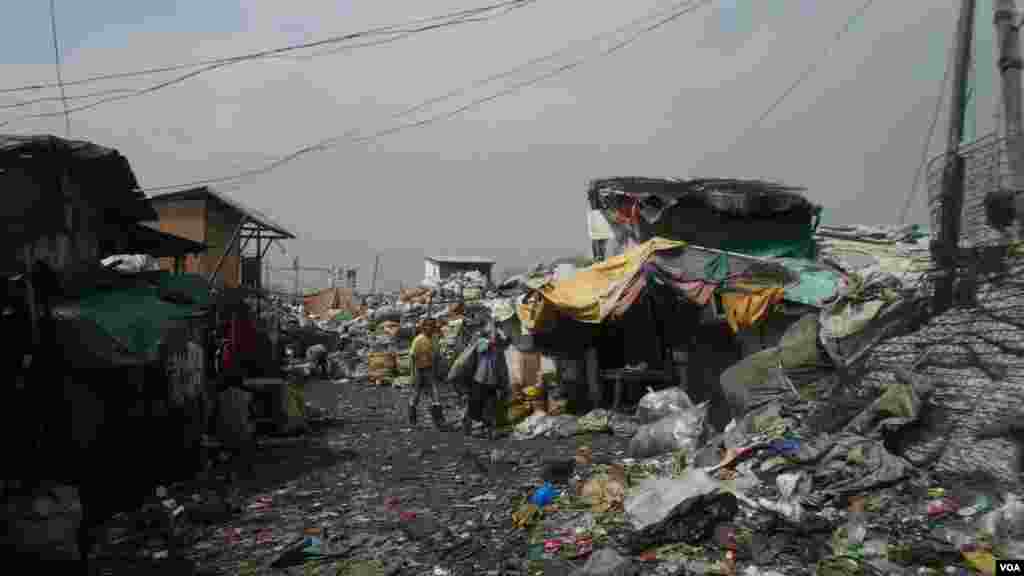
point(656, 405)
point(669, 510)
point(653, 500)
point(681, 431)
point(607, 562)
point(756, 381)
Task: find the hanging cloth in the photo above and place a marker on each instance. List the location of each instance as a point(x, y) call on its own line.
point(746, 308)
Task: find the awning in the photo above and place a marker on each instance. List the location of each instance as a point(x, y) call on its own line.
point(607, 289)
point(590, 295)
point(142, 239)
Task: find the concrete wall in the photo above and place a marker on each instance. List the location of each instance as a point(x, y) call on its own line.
point(449, 268)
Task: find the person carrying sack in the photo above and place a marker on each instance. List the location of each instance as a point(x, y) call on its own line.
point(421, 357)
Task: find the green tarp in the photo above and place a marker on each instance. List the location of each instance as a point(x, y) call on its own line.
point(136, 316)
point(192, 285)
point(817, 284)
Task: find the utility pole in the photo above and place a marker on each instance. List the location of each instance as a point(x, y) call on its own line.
point(376, 267)
point(1009, 63)
point(295, 263)
point(948, 248)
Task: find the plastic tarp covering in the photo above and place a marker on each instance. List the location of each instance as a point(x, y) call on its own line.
point(817, 285)
point(591, 294)
point(193, 286)
point(135, 317)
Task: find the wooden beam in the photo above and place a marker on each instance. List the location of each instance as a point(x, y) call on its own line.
point(594, 378)
point(220, 261)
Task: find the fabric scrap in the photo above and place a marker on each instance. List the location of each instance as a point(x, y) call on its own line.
point(745, 309)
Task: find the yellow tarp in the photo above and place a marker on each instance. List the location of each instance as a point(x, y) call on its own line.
point(589, 295)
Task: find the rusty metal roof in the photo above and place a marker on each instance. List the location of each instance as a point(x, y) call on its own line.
point(206, 192)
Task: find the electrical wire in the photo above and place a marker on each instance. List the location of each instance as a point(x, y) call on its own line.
point(939, 102)
point(60, 78)
point(808, 72)
point(679, 9)
point(395, 37)
point(272, 52)
point(228, 62)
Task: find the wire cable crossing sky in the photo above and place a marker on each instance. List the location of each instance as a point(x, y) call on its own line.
point(457, 17)
point(678, 10)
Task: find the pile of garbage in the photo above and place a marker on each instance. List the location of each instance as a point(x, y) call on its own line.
point(471, 285)
point(769, 494)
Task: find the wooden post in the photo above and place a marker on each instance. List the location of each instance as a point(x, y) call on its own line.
point(1010, 63)
point(594, 378)
point(30, 295)
point(953, 176)
point(227, 249)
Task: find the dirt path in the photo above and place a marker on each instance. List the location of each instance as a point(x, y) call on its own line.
point(344, 479)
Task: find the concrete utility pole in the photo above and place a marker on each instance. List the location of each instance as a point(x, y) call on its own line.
point(298, 296)
point(1010, 63)
point(946, 253)
point(376, 267)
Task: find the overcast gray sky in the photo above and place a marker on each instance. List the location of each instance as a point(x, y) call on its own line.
point(506, 180)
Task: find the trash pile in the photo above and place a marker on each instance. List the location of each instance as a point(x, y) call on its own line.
point(769, 494)
point(470, 285)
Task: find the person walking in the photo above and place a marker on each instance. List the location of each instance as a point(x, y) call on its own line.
point(421, 356)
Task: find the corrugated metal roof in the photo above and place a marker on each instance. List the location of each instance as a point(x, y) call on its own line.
point(731, 195)
point(460, 259)
point(107, 176)
point(205, 192)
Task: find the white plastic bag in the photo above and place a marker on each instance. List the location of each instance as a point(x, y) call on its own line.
point(656, 405)
point(685, 430)
point(655, 498)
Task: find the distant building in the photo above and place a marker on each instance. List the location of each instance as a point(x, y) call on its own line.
point(439, 268)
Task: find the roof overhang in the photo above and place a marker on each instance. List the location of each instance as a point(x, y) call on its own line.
point(143, 239)
point(254, 223)
point(468, 261)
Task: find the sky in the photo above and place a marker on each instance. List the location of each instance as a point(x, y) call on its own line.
point(506, 180)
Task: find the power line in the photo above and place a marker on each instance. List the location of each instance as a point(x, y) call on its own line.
point(272, 52)
point(60, 79)
point(809, 71)
point(678, 10)
point(912, 193)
